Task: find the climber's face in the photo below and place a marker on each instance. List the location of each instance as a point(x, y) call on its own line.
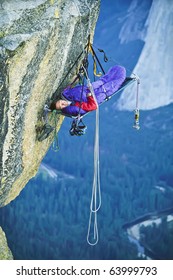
point(60, 104)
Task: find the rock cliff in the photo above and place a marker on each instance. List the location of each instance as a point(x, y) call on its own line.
point(39, 42)
point(155, 63)
point(5, 253)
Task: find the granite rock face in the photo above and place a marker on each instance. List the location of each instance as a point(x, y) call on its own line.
point(39, 42)
point(5, 253)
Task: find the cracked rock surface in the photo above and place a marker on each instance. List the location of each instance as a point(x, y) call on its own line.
point(39, 42)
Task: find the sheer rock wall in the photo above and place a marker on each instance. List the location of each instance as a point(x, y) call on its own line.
point(39, 42)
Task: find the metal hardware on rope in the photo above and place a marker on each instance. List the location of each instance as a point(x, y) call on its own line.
point(136, 111)
point(78, 128)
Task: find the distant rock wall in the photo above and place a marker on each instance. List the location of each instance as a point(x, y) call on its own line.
point(5, 253)
point(155, 63)
point(39, 42)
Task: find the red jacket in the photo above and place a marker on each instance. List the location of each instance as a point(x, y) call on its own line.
point(90, 105)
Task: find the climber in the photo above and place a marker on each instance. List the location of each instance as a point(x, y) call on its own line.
point(80, 100)
point(88, 106)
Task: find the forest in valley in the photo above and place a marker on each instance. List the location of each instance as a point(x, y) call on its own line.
point(49, 219)
point(157, 239)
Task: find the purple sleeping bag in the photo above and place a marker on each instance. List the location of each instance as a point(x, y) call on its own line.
point(104, 87)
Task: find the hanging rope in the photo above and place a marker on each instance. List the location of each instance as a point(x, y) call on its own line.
point(92, 235)
point(110, 59)
point(95, 58)
point(84, 72)
point(92, 238)
point(137, 92)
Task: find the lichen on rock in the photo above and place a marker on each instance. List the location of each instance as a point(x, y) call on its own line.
point(39, 42)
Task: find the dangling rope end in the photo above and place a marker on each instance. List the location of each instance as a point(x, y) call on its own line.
point(92, 235)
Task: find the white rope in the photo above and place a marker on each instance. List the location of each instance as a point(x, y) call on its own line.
point(137, 92)
point(96, 177)
point(95, 237)
point(96, 191)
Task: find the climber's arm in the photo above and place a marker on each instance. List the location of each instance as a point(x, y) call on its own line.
point(90, 105)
